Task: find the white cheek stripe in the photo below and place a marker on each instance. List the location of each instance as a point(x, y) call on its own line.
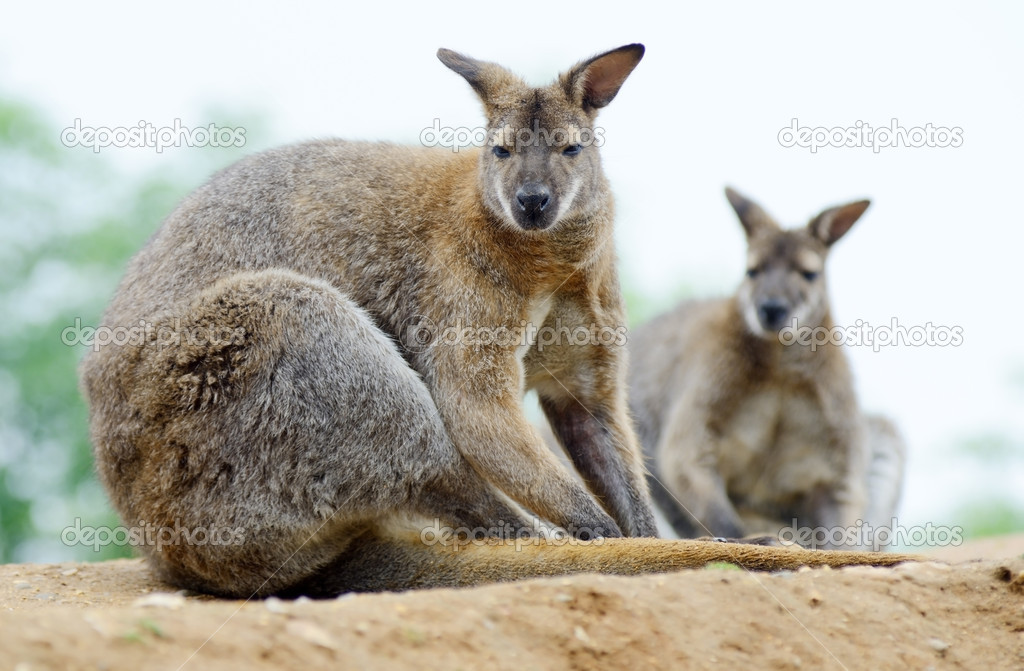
point(505, 205)
point(750, 316)
point(566, 203)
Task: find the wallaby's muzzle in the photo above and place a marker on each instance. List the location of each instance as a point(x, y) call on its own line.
point(533, 206)
point(773, 314)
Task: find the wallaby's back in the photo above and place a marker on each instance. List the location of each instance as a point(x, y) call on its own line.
point(287, 208)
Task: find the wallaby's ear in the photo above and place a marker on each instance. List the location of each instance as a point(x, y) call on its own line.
point(834, 222)
point(593, 83)
point(489, 80)
point(753, 217)
point(470, 68)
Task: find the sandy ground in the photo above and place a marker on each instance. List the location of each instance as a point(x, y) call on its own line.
point(933, 615)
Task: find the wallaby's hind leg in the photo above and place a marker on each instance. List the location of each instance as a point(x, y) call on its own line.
point(887, 457)
point(294, 423)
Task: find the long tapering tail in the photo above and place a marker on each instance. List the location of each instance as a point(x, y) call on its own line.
point(396, 563)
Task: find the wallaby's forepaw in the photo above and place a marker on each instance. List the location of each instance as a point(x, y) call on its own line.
point(596, 530)
point(589, 522)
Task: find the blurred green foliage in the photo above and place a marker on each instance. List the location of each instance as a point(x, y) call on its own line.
point(641, 308)
point(992, 447)
point(70, 221)
point(990, 516)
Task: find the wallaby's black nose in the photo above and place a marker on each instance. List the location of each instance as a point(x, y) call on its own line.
point(773, 314)
point(533, 198)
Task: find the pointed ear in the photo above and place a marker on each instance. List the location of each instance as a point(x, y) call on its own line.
point(753, 217)
point(834, 222)
point(489, 80)
point(593, 84)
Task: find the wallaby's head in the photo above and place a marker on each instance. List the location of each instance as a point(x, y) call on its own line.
point(786, 268)
point(541, 164)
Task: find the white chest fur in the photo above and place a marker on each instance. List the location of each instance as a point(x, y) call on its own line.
point(536, 313)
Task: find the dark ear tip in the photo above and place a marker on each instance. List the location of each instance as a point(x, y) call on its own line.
point(735, 198)
point(635, 51)
point(857, 207)
point(636, 48)
point(454, 60)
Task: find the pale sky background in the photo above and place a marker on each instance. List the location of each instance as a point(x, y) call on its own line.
point(941, 242)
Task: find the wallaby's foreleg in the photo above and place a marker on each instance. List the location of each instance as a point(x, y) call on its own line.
point(477, 390)
point(701, 495)
point(581, 390)
point(600, 448)
point(687, 464)
point(833, 505)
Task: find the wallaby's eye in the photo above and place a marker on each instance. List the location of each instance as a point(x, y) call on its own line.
point(752, 272)
point(809, 275)
point(572, 149)
point(501, 152)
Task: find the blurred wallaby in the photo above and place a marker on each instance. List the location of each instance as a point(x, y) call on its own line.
point(747, 428)
point(298, 383)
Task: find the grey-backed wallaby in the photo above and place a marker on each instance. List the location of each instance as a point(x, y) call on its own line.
point(299, 381)
point(747, 424)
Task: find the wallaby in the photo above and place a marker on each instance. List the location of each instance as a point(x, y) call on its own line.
point(340, 420)
point(748, 426)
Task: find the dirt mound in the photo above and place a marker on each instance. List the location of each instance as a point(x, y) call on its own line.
point(928, 615)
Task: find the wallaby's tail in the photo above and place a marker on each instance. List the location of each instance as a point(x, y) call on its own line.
point(384, 564)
